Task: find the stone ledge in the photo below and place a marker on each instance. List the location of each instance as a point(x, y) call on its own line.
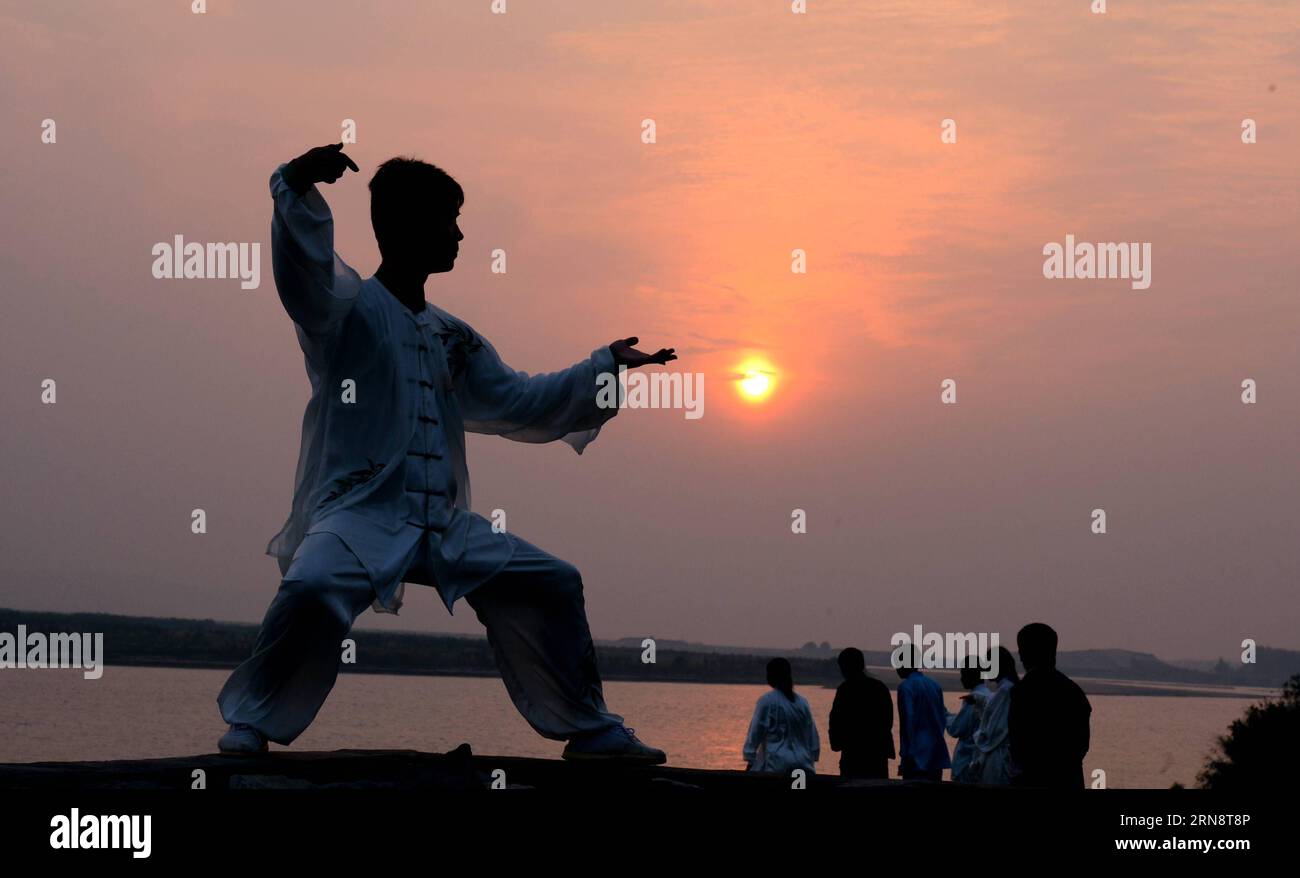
point(458, 770)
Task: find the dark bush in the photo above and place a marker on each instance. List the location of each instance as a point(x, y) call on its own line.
point(1260, 748)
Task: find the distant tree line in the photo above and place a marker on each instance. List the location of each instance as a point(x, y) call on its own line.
point(130, 640)
point(136, 640)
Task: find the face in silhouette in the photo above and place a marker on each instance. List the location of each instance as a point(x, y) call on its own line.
point(428, 242)
point(444, 243)
point(415, 210)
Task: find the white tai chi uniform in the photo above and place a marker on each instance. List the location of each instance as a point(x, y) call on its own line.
point(992, 764)
point(381, 494)
point(782, 735)
point(963, 725)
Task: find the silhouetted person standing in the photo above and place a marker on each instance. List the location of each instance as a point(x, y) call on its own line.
point(922, 719)
point(966, 722)
point(782, 735)
point(1049, 717)
point(862, 720)
point(381, 494)
point(992, 757)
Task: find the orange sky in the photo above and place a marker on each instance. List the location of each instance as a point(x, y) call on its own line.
point(774, 132)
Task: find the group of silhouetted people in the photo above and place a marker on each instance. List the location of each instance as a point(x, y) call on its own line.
point(1030, 731)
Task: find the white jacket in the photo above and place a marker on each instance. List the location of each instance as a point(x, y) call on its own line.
point(350, 475)
point(782, 735)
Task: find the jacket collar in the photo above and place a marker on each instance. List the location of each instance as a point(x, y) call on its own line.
point(424, 318)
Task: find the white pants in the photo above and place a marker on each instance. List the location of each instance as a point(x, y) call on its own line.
point(536, 625)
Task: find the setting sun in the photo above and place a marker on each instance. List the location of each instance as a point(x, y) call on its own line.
point(754, 380)
point(755, 385)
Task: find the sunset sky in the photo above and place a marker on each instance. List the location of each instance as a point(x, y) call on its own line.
point(775, 132)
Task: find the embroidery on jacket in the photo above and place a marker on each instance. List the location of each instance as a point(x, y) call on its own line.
point(352, 480)
point(459, 342)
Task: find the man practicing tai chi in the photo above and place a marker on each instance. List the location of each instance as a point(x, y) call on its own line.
point(382, 489)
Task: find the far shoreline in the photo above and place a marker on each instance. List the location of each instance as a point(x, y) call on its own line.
point(947, 679)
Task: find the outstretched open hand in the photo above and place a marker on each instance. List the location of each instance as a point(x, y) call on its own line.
point(626, 355)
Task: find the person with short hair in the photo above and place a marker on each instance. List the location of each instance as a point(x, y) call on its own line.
point(382, 487)
point(862, 720)
point(922, 718)
point(1049, 717)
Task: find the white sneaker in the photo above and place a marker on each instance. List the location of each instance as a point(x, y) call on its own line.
point(242, 739)
point(613, 743)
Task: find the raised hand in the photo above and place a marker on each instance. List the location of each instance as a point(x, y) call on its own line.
point(321, 164)
point(626, 355)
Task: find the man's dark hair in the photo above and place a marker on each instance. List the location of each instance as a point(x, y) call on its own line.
point(405, 192)
point(851, 661)
point(1037, 645)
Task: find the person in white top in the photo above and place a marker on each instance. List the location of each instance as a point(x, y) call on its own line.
point(782, 735)
point(992, 758)
point(381, 493)
point(966, 722)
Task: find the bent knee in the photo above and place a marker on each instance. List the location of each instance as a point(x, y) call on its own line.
point(314, 596)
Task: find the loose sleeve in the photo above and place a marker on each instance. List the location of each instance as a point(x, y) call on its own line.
point(963, 723)
point(570, 405)
point(316, 287)
point(996, 725)
point(814, 740)
point(757, 726)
